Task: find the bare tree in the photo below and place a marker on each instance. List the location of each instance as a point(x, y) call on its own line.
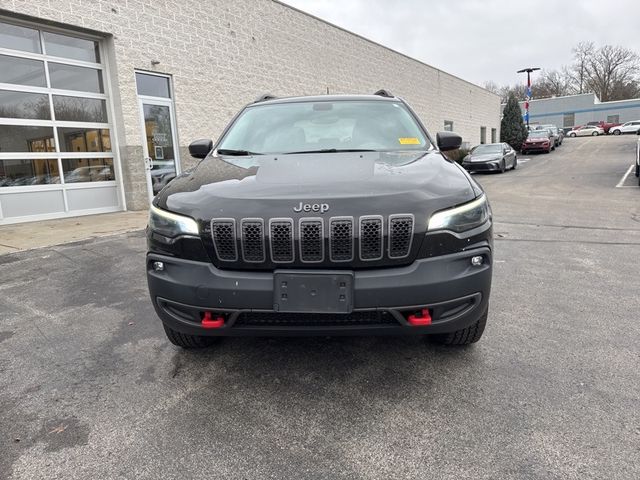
point(610, 70)
point(578, 72)
point(550, 83)
point(505, 90)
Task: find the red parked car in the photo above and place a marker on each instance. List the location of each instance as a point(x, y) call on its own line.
point(538, 141)
point(606, 126)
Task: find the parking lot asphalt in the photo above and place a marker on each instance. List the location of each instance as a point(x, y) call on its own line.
point(90, 388)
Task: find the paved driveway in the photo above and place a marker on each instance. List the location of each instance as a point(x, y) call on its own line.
point(90, 388)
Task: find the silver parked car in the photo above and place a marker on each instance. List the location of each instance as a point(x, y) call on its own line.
point(586, 131)
point(491, 157)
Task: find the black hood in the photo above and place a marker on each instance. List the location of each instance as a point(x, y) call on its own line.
point(367, 183)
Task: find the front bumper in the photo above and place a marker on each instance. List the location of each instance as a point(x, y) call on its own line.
point(492, 166)
point(535, 148)
point(455, 293)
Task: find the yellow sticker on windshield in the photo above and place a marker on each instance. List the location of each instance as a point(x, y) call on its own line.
point(409, 141)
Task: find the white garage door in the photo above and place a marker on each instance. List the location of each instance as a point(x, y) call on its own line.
point(56, 151)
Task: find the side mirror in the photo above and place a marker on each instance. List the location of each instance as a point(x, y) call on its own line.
point(448, 141)
point(200, 148)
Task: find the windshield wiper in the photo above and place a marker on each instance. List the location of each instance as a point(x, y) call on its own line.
point(332, 150)
point(229, 151)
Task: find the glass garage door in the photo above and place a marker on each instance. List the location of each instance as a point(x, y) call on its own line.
point(56, 152)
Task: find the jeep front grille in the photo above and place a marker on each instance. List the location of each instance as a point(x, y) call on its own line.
point(400, 233)
point(313, 240)
point(371, 237)
point(253, 240)
point(223, 231)
point(341, 239)
point(281, 239)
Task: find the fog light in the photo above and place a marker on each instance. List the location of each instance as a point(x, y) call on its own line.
point(158, 266)
point(477, 260)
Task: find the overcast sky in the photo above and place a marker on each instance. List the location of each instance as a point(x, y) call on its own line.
point(482, 40)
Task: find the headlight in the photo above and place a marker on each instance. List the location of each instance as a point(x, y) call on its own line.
point(171, 224)
point(462, 218)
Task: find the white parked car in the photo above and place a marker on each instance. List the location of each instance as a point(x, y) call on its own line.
point(586, 131)
point(629, 127)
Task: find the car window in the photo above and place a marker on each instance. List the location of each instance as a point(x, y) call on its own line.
point(486, 149)
point(312, 126)
point(539, 134)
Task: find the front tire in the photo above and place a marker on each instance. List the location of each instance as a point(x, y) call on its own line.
point(515, 163)
point(503, 166)
point(595, 134)
point(572, 135)
point(188, 341)
point(617, 132)
point(465, 336)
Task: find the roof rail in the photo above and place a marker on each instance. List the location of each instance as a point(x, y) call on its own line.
point(384, 93)
point(264, 97)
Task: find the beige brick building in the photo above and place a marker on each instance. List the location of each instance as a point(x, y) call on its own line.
point(98, 86)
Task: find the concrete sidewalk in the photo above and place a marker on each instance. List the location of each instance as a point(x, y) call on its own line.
point(26, 236)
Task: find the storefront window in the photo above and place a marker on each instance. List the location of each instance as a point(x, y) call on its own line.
point(71, 47)
point(87, 170)
point(22, 71)
point(78, 109)
point(19, 173)
point(20, 138)
point(70, 77)
point(84, 140)
point(153, 85)
point(17, 37)
point(24, 105)
point(37, 121)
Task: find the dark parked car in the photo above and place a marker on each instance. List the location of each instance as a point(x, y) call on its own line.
point(491, 157)
point(325, 215)
point(538, 141)
point(556, 133)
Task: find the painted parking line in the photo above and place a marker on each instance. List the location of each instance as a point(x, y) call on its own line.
point(624, 178)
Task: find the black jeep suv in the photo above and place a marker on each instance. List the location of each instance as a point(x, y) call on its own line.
point(324, 215)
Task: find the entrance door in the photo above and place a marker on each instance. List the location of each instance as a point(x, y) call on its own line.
point(161, 157)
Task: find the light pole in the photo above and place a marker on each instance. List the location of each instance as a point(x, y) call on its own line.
point(526, 102)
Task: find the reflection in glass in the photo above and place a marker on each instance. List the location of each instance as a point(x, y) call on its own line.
point(87, 170)
point(19, 38)
point(153, 85)
point(77, 109)
point(24, 105)
point(69, 77)
point(71, 47)
point(19, 138)
point(18, 173)
point(157, 122)
point(22, 71)
point(74, 139)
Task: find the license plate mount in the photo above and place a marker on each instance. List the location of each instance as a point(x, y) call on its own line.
point(310, 292)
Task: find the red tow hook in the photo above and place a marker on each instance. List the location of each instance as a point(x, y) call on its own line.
point(420, 319)
point(209, 322)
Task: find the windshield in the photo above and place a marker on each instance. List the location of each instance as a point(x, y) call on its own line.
point(317, 126)
point(539, 134)
point(486, 149)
